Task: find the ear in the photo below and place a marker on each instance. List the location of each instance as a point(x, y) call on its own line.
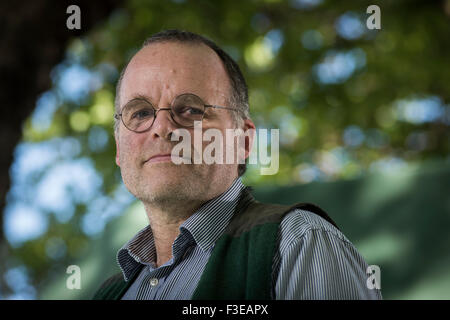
point(249, 132)
point(117, 150)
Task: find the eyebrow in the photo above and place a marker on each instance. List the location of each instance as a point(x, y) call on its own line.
point(146, 98)
point(138, 97)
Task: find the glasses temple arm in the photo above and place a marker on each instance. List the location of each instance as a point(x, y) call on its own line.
point(219, 107)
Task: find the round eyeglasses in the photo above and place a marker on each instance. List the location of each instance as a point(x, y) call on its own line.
point(138, 115)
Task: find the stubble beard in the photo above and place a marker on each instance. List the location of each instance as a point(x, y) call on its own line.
point(172, 187)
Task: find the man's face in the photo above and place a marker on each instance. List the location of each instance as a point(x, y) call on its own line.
point(162, 71)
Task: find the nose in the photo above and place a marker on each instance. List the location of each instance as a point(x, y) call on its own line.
point(163, 125)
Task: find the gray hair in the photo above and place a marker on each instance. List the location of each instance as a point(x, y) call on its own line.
point(239, 91)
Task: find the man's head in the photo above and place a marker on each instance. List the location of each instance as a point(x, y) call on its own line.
point(169, 64)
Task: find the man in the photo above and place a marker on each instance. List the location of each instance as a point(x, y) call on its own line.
point(207, 237)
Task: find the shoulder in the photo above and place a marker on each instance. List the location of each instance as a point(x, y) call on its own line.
point(301, 225)
point(315, 260)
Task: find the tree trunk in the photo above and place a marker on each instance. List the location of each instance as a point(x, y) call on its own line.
point(34, 38)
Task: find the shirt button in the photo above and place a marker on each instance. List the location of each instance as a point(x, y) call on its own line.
point(154, 282)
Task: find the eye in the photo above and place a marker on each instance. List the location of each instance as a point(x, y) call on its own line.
point(188, 110)
point(142, 114)
point(195, 111)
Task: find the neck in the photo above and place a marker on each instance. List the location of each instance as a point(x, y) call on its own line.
point(165, 221)
point(167, 214)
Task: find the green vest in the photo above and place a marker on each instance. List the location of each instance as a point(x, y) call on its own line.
point(240, 266)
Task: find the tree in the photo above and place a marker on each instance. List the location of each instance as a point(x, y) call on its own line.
point(34, 41)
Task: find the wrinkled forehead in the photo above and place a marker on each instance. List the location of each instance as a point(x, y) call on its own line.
point(170, 68)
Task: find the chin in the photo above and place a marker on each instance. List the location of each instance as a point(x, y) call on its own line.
point(163, 183)
point(167, 172)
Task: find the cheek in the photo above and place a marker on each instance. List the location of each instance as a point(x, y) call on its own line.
point(224, 139)
point(129, 150)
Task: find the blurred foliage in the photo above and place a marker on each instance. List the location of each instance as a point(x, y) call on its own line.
point(347, 100)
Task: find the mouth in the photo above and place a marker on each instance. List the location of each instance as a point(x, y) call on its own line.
point(165, 158)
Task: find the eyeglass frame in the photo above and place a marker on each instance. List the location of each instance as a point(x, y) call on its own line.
point(117, 115)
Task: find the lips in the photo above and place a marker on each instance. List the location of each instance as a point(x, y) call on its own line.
point(163, 157)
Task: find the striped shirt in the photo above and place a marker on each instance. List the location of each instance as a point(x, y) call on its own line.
point(313, 260)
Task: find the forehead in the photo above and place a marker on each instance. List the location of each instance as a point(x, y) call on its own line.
point(164, 70)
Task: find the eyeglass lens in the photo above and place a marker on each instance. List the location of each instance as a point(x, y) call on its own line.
point(138, 115)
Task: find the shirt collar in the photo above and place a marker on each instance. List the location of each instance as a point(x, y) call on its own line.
point(136, 252)
point(205, 226)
